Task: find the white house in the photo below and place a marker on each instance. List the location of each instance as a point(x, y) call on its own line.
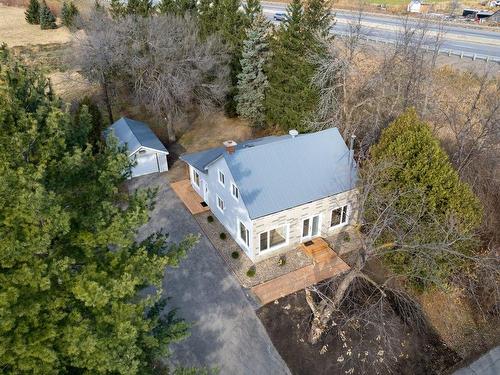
point(275, 192)
point(143, 146)
point(414, 6)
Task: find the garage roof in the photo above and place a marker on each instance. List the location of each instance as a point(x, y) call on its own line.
point(134, 135)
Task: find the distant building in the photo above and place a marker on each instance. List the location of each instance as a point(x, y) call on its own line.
point(417, 6)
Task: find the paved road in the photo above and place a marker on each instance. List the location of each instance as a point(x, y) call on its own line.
point(456, 38)
point(226, 333)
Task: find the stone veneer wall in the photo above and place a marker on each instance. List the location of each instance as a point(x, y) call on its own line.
point(294, 216)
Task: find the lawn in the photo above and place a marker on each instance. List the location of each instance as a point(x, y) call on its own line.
point(15, 31)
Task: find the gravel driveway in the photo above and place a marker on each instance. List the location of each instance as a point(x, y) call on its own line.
point(225, 333)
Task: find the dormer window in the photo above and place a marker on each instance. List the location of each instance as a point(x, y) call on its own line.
point(222, 178)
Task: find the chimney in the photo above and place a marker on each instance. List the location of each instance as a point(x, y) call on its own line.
point(230, 146)
point(293, 133)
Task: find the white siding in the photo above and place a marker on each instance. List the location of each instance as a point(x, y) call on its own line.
point(234, 209)
point(148, 161)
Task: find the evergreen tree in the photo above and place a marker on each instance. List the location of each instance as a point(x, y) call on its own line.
point(252, 81)
point(32, 13)
point(420, 181)
point(318, 18)
point(142, 8)
point(47, 18)
point(70, 269)
point(96, 122)
point(69, 12)
point(224, 17)
point(117, 8)
point(290, 97)
point(252, 8)
point(177, 7)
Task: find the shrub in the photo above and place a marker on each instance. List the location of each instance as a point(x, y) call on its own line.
point(223, 236)
point(347, 238)
point(68, 13)
point(32, 14)
point(47, 18)
point(282, 261)
point(210, 219)
point(235, 254)
point(251, 271)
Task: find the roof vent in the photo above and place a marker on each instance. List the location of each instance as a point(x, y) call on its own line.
point(230, 146)
point(293, 133)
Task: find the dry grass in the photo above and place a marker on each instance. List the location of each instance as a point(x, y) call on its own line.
point(454, 320)
point(15, 31)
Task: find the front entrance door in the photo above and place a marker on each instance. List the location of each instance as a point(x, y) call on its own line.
point(310, 227)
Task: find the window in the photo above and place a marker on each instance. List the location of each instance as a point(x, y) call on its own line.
point(339, 216)
point(222, 178)
point(244, 234)
point(273, 238)
point(196, 178)
point(220, 203)
point(235, 191)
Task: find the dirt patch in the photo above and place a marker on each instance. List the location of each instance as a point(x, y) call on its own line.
point(287, 322)
point(15, 31)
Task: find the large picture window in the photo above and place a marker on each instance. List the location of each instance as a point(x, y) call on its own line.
point(339, 216)
point(274, 238)
point(244, 234)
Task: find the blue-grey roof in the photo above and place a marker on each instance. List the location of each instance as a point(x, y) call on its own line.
point(134, 135)
point(201, 159)
point(284, 172)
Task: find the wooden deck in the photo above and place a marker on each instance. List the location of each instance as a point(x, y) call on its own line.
point(189, 197)
point(326, 265)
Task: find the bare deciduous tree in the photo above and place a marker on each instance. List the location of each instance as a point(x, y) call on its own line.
point(381, 213)
point(98, 51)
point(174, 71)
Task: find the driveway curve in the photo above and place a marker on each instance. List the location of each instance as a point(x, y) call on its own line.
point(225, 333)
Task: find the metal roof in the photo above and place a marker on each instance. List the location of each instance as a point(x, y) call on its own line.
point(201, 159)
point(285, 172)
point(134, 135)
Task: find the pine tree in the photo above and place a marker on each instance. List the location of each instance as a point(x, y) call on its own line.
point(47, 18)
point(70, 268)
point(142, 8)
point(252, 81)
point(290, 97)
point(117, 8)
point(69, 12)
point(252, 8)
point(177, 7)
point(32, 14)
point(318, 17)
point(225, 18)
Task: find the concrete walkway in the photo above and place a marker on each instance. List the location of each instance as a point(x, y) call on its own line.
point(225, 333)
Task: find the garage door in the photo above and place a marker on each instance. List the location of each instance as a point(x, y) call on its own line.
point(146, 163)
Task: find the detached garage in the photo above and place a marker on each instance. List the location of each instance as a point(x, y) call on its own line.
point(143, 146)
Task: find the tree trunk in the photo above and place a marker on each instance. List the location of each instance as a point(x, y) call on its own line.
point(170, 128)
point(107, 101)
